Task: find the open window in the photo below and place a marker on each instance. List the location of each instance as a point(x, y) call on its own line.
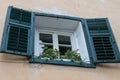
point(59, 39)
point(62, 35)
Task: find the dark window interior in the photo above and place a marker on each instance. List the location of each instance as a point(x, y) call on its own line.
point(46, 39)
point(64, 40)
point(63, 49)
point(64, 44)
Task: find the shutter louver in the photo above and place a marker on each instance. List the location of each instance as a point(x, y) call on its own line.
point(18, 39)
point(20, 16)
point(103, 48)
point(15, 14)
point(102, 41)
point(97, 26)
point(26, 17)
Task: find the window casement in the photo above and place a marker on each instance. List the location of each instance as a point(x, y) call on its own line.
point(64, 43)
point(60, 34)
point(29, 33)
point(55, 41)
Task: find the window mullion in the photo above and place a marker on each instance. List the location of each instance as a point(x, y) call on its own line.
point(55, 41)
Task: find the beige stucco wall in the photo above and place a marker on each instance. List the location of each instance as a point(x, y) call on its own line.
point(17, 68)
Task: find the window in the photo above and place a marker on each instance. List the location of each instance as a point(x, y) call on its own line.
point(29, 33)
point(61, 42)
point(60, 34)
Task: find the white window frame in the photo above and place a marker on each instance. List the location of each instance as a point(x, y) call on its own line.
point(55, 37)
point(82, 48)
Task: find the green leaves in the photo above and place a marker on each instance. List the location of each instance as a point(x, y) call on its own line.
point(50, 53)
point(73, 55)
point(55, 54)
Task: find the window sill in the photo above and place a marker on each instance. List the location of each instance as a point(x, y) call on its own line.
point(60, 62)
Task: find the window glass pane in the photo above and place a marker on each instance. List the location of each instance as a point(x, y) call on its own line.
point(63, 49)
point(47, 38)
point(64, 39)
point(64, 44)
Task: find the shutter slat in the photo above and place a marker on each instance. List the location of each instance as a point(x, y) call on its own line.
point(17, 41)
point(102, 41)
point(20, 16)
point(96, 26)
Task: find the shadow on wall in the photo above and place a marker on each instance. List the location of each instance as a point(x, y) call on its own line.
point(110, 66)
point(12, 58)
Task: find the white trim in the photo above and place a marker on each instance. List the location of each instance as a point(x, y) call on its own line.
point(65, 45)
point(81, 43)
point(55, 41)
point(73, 42)
point(58, 32)
point(55, 29)
point(36, 48)
point(47, 43)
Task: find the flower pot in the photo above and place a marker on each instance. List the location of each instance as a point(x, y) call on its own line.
point(66, 59)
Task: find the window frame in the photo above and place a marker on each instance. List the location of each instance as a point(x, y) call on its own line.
point(55, 40)
point(56, 62)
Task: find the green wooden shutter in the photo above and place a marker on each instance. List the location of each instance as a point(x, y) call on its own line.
point(18, 32)
point(18, 39)
point(20, 16)
point(105, 49)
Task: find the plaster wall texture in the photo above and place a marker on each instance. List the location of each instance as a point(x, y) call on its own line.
point(14, 67)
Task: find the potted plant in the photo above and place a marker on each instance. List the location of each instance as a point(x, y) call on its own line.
point(49, 53)
point(71, 55)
